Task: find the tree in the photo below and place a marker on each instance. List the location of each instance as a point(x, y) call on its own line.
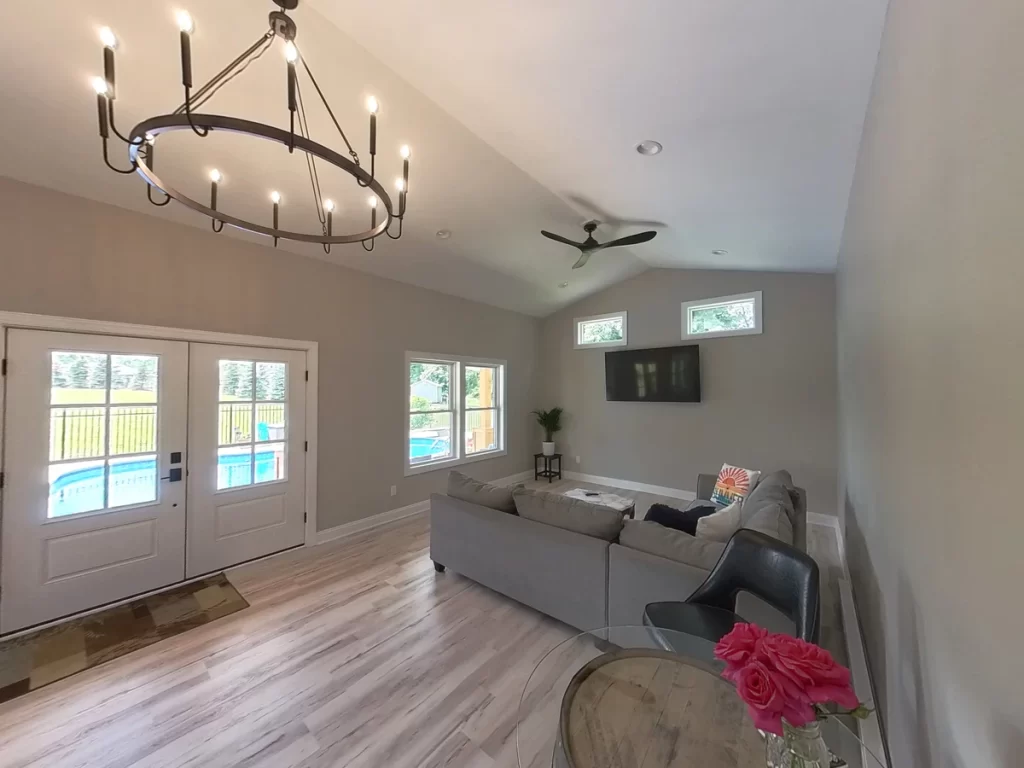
point(419, 420)
point(439, 374)
point(604, 330)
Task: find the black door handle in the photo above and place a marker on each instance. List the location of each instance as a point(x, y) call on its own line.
point(173, 476)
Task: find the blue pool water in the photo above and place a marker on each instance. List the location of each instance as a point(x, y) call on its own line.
point(134, 482)
point(423, 448)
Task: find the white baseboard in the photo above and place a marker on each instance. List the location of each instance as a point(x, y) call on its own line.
point(511, 479)
point(374, 521)
point(629, 485)
point(832, 522)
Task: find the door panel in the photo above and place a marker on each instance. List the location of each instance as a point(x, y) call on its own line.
point(91, 423)
point(246, 495)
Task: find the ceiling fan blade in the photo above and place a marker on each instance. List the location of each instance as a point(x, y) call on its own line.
point(560, 239)
point(584, 258)
point(642, 237)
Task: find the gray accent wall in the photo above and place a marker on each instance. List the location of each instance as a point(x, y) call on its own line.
point(67, 256)
point(769, 400)
point(931, 377)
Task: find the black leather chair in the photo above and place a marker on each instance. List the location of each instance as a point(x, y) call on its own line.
point(781, 575)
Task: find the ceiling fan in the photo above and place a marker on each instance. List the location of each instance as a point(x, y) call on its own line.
point(591, 246)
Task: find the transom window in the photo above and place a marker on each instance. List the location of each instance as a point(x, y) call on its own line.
point(103, 431)
point(601, 331)
point(738, 315)
point(252, 428)
point(447, 396)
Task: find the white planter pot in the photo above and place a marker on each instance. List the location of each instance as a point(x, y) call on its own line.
point(548, 449)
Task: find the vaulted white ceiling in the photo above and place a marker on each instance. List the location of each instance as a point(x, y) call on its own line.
point(521, 116)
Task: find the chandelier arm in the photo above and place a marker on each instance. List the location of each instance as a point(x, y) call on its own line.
point(125, 139)
point(188, 113)
point(352, 152)
point(106, 159)
point(373, 171)
point(149, 194)
point(388, 230)
point(363, 243)
point(264, 39)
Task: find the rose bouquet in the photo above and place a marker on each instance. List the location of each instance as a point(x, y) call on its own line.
point(781, 678)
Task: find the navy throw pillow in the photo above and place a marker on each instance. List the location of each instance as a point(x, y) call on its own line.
point(678, 519)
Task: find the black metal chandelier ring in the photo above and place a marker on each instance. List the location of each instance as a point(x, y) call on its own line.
point(151, 129)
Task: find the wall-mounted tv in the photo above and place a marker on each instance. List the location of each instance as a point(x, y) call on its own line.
point(657, 375)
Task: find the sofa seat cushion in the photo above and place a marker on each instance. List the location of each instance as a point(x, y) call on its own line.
point(571, 514)
point(465, 488)
point(654, 539)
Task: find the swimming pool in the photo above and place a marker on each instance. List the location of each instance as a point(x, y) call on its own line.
point(425, 448)
point(133, 481)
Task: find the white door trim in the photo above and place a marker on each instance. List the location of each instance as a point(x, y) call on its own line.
point(111, 328)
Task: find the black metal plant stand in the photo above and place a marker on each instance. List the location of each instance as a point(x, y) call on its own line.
point(549, 471)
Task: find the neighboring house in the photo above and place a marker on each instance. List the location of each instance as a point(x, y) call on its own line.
point(428, 390)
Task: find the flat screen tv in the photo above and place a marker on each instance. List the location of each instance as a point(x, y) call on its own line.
point(657, 375)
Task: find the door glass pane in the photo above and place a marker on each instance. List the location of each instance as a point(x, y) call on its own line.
point(75, 487)
point(78, 378)
point(481, 386)
point(271, 379)
point(235, 380)
point(133, 378)
point(131, 481)
point(270, 421)
point(270, 462)
point(234, 466)
point(429, 386)
point(132, 429)
point(77, 433)
point(235, 423)
point(430, 437)
point(481, 431)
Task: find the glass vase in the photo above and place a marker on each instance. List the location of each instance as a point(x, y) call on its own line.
point(800, 746)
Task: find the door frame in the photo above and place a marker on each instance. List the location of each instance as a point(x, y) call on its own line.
point(26, 321)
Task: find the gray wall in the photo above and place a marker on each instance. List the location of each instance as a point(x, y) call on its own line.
point(769, 401)
point(932, 380)
point(67, 256)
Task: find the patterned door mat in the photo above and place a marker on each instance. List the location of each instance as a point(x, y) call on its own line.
point(39, 658)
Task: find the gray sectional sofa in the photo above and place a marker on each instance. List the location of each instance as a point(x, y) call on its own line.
point(584, 564)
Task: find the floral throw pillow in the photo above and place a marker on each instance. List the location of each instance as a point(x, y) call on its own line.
point(734, 483)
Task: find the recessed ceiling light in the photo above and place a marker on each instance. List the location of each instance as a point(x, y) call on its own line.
point(719, 252)
point(443, 234)
point(563, 285)
point(649, 147)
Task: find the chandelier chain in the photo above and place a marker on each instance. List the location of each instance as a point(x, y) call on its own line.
point(354, 155)
point(201, 100)
point(314, 177)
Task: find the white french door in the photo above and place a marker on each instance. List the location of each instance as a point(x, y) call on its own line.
point(131, 464)
point(94, 453)
point(246, 491)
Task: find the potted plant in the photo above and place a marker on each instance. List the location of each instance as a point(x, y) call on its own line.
point(550, 422)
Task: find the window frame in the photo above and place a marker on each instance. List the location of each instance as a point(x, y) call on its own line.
point(578, 322)
point(688, 306)
point(457, 397)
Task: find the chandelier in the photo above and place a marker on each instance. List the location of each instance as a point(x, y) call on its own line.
point(142, 140)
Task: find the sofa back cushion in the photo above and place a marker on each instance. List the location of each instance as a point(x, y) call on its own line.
point(770, 508)
point(462, 487)
point(571, 514)
point(654, 539)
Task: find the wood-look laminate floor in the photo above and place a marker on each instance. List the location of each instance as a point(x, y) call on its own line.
point(354, 653)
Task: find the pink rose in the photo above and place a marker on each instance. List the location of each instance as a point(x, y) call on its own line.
point(762, 691)
point(738, 647)
point(809, 669)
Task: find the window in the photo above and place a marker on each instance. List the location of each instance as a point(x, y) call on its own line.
point(738, 315)
point(103, 431)
point(251, 429)
point(601, 331)
point(448, 397)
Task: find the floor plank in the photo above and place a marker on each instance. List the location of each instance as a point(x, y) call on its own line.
point(354, 653)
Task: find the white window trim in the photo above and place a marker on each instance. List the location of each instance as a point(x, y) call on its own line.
point(600, 344)
point(701, 303)
point(459, 362)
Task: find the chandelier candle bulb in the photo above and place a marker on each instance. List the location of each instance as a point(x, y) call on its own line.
point(108, 38)
point(185, 25)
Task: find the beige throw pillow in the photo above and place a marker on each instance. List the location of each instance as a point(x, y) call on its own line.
point(722, 524)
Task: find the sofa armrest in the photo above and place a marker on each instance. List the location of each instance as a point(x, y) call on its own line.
point(706, 486)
